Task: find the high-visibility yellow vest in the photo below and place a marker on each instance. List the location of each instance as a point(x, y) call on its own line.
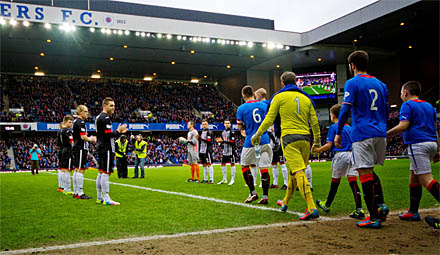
point(122, 148)
point(138, 145)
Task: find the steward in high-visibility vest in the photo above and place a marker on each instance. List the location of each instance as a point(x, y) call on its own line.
point(121, 156)
point(141, 153)
point(141, 149)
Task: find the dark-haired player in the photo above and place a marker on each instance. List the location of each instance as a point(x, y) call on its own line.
point(80, 151)
point(367, 98)
point(249, 117)
point(417, 122)
point(341, 165)
point(205, 153)
point(64, 142)
point(106, 150)
point(228, 152)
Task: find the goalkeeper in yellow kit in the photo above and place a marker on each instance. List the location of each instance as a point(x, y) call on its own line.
point(291, 110)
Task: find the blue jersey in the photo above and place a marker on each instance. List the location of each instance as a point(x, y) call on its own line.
point(345, 137)
point(251, 114)
point(369, 99)
point(267, 102)
point(422, 117)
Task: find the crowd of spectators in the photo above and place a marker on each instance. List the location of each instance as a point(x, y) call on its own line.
point(5, 160)
point(46, 99)
point(46, 143)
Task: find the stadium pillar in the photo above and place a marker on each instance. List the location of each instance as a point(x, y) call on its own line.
point(341, 78)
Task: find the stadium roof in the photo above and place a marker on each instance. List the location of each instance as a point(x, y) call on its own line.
point(82, 52)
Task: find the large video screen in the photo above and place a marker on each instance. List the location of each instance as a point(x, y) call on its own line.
point(319, 85)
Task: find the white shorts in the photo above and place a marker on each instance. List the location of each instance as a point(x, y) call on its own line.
point(265, 160)
point(193, 157)
point(420, 155)
point(341, 165)
point(369, 152)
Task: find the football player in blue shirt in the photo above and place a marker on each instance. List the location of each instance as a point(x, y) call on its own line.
point(367, 97)
point(417, 122)
point(250, 115)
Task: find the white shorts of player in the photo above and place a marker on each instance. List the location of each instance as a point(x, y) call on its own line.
point(369, 152)
point(420, 155)
point(341, 165)
point(193, 157)
point(265, 160)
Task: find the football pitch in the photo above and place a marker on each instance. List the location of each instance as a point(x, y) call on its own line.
point(34, 214)
point(316, 90)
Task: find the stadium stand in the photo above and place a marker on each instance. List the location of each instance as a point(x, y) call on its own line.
point(49, 99)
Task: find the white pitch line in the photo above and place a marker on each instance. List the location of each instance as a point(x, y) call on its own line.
point(184, 234)
point(317, 93)
point(200, 197)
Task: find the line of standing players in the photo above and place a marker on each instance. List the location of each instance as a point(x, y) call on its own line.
point(73, 146)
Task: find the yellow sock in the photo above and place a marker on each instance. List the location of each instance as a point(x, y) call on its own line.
point(291, 187)
point(304, 188)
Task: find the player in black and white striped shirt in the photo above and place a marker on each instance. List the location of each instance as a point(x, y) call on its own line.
point(228, 142)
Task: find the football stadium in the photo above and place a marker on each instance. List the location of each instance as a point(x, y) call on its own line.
point(207, 127)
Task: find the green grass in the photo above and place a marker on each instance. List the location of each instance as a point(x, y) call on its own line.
point(33, 214)
point(310, 91)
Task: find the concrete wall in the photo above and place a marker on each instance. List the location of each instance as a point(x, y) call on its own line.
point(258, 79)
point(231, 86)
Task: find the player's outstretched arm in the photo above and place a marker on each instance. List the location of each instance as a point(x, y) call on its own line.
point(402, 126)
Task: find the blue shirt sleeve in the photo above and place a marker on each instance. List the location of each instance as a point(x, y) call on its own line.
point(349, 92)
point(331, 134)
point(343, 117)
point(239, 114)
point(405, 112)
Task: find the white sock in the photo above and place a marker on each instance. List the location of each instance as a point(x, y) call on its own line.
point(98, 187)
point(211, 173)
point(205, 173)
point(275, 174)
point(309, 175)
point(233, 173)
point(79, 183)
point(67, 181)
point(224, 172)
point(105, 187)
point(74, 183)
point(254, 174)
point(285, 174)
point(60, 179)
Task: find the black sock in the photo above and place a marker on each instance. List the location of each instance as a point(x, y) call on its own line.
point(352, 181)
point(248, 178)
point(369, 194)
point(378, 193)
point(265, 180)
point(332, 192)
point(415, 194)
point(434, 188)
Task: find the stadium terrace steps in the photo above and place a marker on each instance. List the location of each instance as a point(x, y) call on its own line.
point(12, 157)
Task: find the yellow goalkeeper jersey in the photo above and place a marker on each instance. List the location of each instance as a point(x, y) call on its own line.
point(296, 111)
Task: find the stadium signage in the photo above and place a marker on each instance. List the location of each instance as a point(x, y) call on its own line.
point(58, 15)
point(40, 126)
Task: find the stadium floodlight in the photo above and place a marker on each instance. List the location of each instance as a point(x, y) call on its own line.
point(212, 41)
point(148, 78)
point(199, 39)
point(287, 48)
point(169, 36)
point(95, 76)
point(47, 26)
point(148, 34)
point(179, 37)
point(13, 22)
point(137, 34)
point(103, 30)
point(159, 36)
point(194, 81)
point(271, 45)
point(184, 38)
point(26, 23)
point(250, 44)
point(2, 21)
point(126, 32)
point(279, 46)
point(120, 32)
point(108, 31)
point(39, 73)
point(92, 29)
point(264, 45)
point(143, 34)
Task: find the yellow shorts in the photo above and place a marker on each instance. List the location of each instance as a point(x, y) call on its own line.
point(297, 155)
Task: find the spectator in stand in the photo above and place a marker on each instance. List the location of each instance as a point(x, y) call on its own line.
point(35, 157)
